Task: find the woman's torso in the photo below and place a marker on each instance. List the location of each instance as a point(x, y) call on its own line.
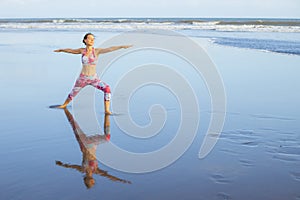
point(89, 61)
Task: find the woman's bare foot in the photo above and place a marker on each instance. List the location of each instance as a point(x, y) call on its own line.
point(62, 106)
point(106, 107)
point(108, 112)
point(58, 106)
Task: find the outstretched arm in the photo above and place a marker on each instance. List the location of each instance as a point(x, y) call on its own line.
point(113, 48)
point(113, 178)
point(73, 51)
point(77, 167)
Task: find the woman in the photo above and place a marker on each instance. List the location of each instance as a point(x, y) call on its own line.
point(88, 74)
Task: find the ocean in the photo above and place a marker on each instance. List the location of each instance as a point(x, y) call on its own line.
point(274, 35)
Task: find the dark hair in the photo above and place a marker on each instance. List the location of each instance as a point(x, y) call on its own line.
point(85, 37)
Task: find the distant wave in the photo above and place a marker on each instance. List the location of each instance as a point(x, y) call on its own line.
point(277, 46)
point(271, 35)
point(262, 22)
point(233, 25)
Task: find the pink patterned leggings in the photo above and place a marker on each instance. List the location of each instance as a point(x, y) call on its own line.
point(94, 80)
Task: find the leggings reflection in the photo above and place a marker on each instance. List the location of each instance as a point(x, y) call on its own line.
point(88, 146)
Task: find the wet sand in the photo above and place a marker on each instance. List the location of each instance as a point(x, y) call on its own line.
point(256, 157)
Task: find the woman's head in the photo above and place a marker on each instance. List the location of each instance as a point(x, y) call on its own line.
point(88, 39)
point(89, 182)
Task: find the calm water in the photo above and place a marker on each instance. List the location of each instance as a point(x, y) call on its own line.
point(256, 157)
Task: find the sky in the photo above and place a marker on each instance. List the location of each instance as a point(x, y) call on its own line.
point(150, 8)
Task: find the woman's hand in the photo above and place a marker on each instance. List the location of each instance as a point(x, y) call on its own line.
point(126, 46)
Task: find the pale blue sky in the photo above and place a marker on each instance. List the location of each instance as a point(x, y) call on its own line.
point(151, 8)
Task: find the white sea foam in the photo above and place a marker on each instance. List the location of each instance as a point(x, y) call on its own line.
point(126, 24)
point(275, 35)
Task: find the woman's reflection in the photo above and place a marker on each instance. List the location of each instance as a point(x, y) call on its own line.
point(88, 146)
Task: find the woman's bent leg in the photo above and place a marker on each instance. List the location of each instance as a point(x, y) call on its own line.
point(80, 83)
point(107, 94)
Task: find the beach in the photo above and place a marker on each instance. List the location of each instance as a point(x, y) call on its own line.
point(256, 156)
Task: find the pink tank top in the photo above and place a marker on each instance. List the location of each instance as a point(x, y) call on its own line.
point(92, 59)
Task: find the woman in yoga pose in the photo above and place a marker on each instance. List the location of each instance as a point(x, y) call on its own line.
point(88, 75)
